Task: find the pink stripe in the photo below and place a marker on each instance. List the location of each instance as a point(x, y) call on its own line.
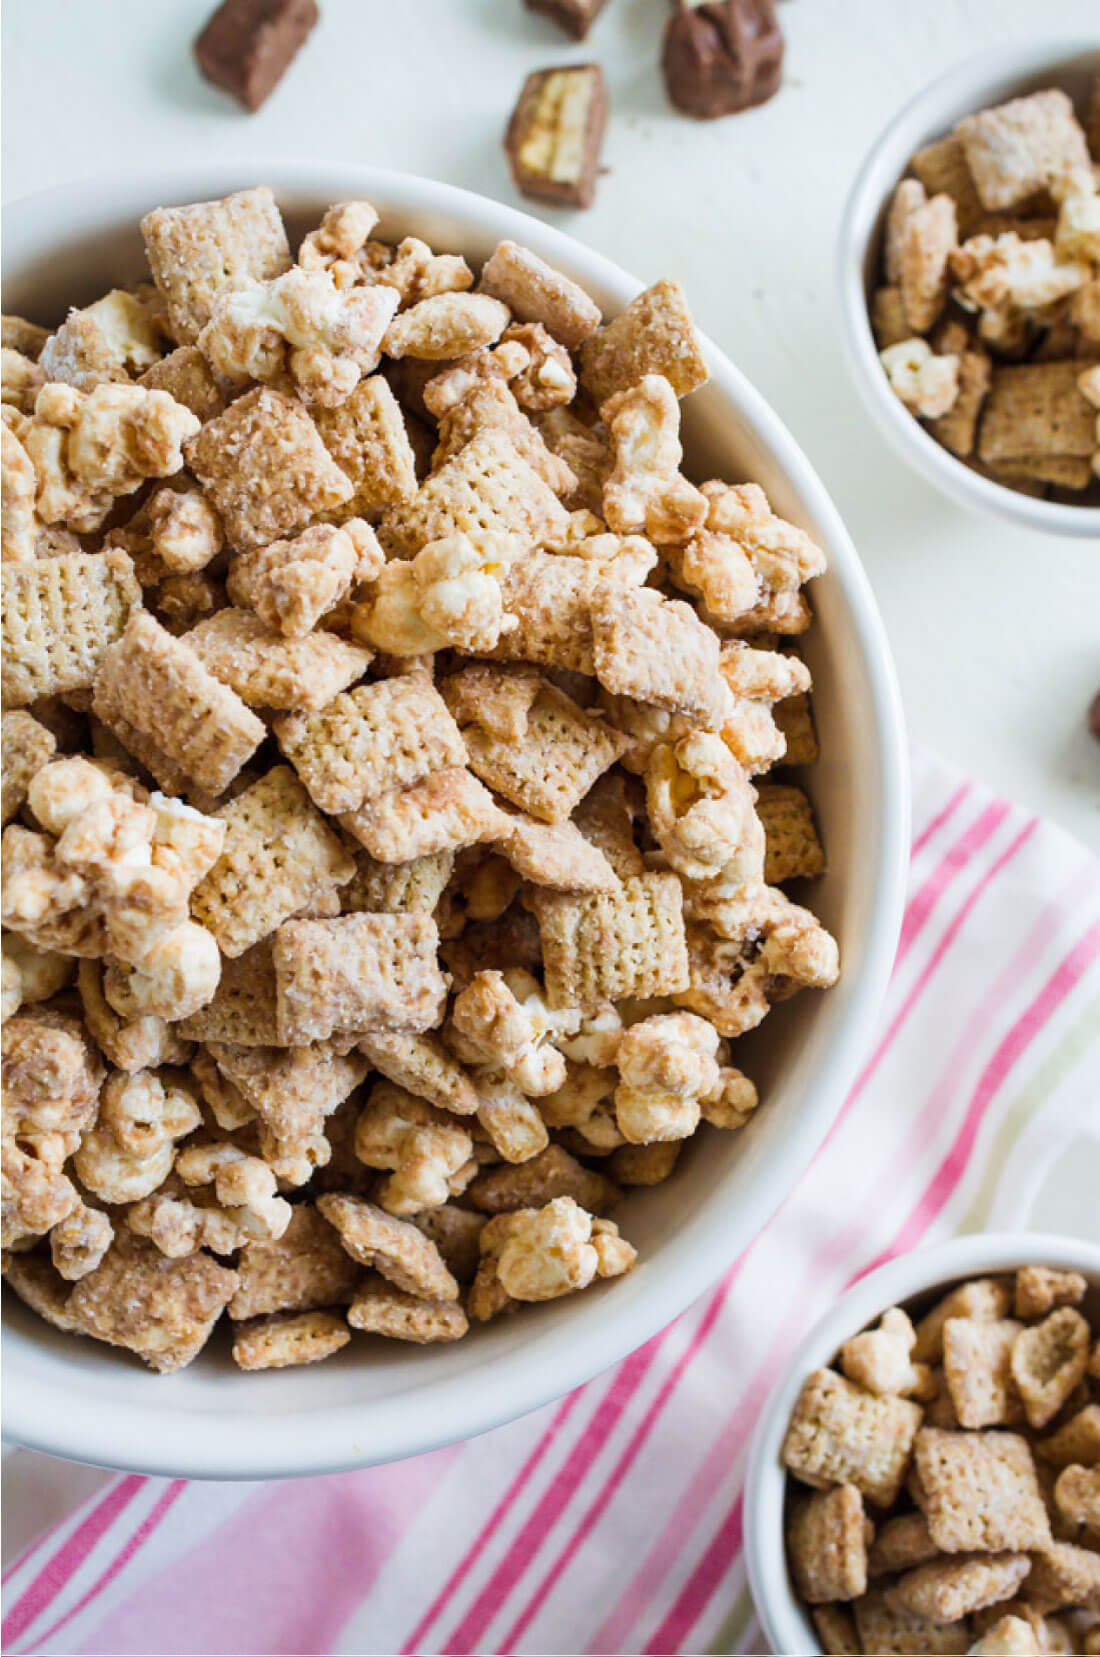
point(625, 1462)
point(57, 1572)
point(939, 882)
point(137, 1541)
point(717, 1559)
point(693, 1503)
point(489, 1530)
point(940, 819)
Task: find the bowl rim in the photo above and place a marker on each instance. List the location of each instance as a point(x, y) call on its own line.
point(918, 121)
point(785, 1622)
point(57, 1419)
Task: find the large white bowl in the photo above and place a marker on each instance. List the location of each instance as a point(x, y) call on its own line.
point(379, 1400)
point(980, 82)
point(920, 1277)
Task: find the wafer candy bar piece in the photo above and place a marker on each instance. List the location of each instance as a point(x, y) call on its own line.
point(286, 1341)
point(446, 811)
point(371, 740)
point(396, 888)
point(307, 1267)
point(367, 437)
point(162, 703)
point(793, 850)
point(243, 1009)
point(247, 46)
point(657, 650)
point(357, 974)
point(1021, 146)
point(59, 617)
point(604, 946)
point(27, 747)
point(827, 1545)
point(379, 1308)
point(979, 1492)
point(396, 1248)
point(654, 335)
point(199, 252)
point(486, 489)
point(270, 671)
point(1036, 409)
point(279, 856)
point(535, 292)
point(555, 134)
point(265, 468)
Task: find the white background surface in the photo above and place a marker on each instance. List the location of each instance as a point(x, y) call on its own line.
point(996, 631)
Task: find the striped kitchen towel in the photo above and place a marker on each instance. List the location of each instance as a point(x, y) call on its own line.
point(612, 1520)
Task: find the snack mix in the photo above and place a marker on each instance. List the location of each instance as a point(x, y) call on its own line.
point(945, 1476)
point(388, 871)
point(987, 319)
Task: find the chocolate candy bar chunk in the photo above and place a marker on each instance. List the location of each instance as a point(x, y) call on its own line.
point(576, 17)
point(554, 136)
point(722, 56)
point(247, 45)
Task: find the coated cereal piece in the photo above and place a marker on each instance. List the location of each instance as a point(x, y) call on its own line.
point(556, 854)
point(1036, 409)
point(455, 1232)
point(604, 946)
point(269, 671)
point(397, 888)
point(645, 1164)
point(292, 584)
point(370, 741)
point(306, 1268)
point(357, 974)
point(1064, 1575)
point(161, 1309)
point(836, 1629)
point(827, 1545)
point(793, 850)
point(888, 320)
point(1008, 1636)
point(548, 768)
point(977, 1369)
point(1033, 471)
point(606, 818)
point(291, 1091)
point(1042, 1289)
point(946, 1590)
point(27, 747)
point(942, 168)
point(535, 292)
point(185, 375)
point(492, 406)
point(381, 1309)
point(244, 1006)
point(1021, 146)
point(840, 1434)
point(446, 811)
point(446, 325)
point(1077, 1441)
point(283, 1342)
point(655, 334)
point(1048, 1361)
point(113, 339)
point(979, 1491)
point(60, 615)
point(929, 235)
point(396, 1248)
point(424, 1067)
point(1077, 1496)
point(39, 1285)
point(531, 1184)
point(199, 252)
point(487, 488)
point(986, 1298)
point(882, 1630)
point(265, 468)
point(367, 437)
point(900, 1544)
point(957, 430)
point(657, 650)
point(17, 334)
point(130, 1044)
point(162, 703)
point(550, 596)
point(512, 1124)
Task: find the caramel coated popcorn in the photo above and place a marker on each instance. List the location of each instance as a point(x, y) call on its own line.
point(385, 703)
point(983, 1529)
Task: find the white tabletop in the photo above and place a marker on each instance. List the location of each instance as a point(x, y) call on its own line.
point(995, 629)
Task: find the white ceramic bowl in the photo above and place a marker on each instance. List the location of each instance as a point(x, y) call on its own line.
point(378, 1400)
point(916, 1280)
point(976, 84)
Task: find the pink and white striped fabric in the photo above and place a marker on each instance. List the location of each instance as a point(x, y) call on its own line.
point(612, 1521)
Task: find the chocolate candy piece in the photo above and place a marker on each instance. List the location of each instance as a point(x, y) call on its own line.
point(554, 136)
point(247, 45)
point(1094, 716)
point(721, 57)
point(576, 17)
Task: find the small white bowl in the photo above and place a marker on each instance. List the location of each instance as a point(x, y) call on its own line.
point(380, 1400)
point(920, 1277)
point(976, 84)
